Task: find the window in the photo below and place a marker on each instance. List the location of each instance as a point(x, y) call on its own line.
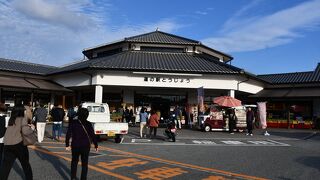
point(162, 49)
point(96, 109)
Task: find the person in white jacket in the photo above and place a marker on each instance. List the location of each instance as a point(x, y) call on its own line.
point(40, 115)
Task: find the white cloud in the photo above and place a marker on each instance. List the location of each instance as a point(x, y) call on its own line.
point(201, 12)
point(236, 19)
point(65, 13)
point(269, 31)
point(56, 32)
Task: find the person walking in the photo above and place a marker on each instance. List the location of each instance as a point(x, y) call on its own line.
point(3, 126)
point(13, 144)
point(153, 123)
point(28, 111)
point(232, 120)
point(178, 116)
point(143, 122)
point(72, 113)
point(57, 114)
point(40, 115)
point(131, 117)
point(82, 134)
point(126, 115)
point(188, 115)
point(250, 119)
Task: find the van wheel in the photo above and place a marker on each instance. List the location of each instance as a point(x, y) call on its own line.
point(118, 138)
point(207, 128)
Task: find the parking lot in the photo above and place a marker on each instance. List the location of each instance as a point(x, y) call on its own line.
point(195, 155)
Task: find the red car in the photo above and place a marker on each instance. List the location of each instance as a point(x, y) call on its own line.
point(214, 124)
point(218, 121)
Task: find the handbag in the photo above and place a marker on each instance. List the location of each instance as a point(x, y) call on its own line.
point(29, 139)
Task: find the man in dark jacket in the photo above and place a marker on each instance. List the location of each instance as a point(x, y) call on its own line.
point(57, 114)
point(250, 119)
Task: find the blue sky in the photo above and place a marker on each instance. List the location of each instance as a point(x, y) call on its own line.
point(263, 36)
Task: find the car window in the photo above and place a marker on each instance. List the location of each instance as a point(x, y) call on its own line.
point(96, 109)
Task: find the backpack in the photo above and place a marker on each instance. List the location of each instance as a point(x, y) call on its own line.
point(2, 126)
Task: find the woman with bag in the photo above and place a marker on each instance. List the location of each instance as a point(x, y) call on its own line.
point(82, 134)
point(3, 126)
point(13, 144)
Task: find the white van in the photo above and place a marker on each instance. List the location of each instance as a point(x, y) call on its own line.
point(99, 116)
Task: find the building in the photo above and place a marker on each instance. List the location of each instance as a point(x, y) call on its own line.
point(22, 81)
point(293, 98)
point(156, 69)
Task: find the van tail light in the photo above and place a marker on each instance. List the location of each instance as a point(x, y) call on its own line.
point(123, 132)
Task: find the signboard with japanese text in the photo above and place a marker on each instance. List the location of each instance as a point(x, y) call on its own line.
point(166, 79)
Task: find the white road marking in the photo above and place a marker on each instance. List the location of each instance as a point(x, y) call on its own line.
point(141, 140)
point(283, 144)
point(215, 142)
point(233, 142)
point(262, 142)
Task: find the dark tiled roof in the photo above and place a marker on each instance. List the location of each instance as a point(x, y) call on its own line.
point(161, 37)
point(155, 37)
point(155, 61)
point(297, 77)
point(25, 67)
point(316, 74)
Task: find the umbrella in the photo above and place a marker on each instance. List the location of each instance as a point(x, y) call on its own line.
point(227, 101)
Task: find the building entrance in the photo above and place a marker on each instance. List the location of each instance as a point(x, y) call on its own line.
point(160, 103)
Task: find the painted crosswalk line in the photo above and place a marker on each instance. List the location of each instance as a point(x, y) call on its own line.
point(207, 142)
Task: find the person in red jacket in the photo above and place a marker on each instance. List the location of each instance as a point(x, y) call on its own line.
point(153, 123)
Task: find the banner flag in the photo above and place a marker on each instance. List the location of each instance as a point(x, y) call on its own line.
point(201, 99)
point(262, 114)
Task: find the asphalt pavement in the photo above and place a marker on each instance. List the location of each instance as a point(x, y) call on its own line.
point(285, 154)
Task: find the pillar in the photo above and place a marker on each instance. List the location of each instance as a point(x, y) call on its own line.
point(98, 94)
point(1, 95)
point(231, 93)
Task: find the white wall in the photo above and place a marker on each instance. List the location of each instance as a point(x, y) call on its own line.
point(226, 82)
point(207, 81)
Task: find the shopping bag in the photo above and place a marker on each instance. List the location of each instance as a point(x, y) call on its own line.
point(30, 138)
